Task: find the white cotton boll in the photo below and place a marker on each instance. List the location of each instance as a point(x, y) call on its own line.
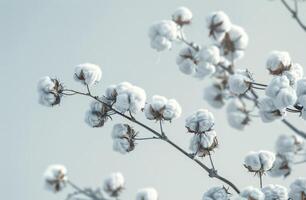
point(114, 184)
point(88, 73)
point(273, 192)
point(55, 177)
point(162, 34)
point(278, 61)
point(172, 110)
point(301, 87)
point(239, 82)
point(259, 161)
point(289, 144)
point(268, 111)
point(200, 121)
point(218, 23)
point(200, 143)
point(285, 97)
point(298, 189)
point(204, 69)
point(147, 194)
point(92, 119)
point(123, 138)
point(216, 193)
point(182, 16)
point(137, 99)
point(187, 61)
point(234, 43)
point(110, 94)
point(252, 161)
point(236, 115)
point(210, 54)
point(252, 193)
point(119, 130)
point(45, 84)
point(49, 91)
point(267, 159)
point(282, 165)
point(295, 73)
point(214, 95)
point(121, 145)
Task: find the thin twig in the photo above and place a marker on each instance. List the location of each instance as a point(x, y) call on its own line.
point(147, 138)
point(294, 13)
point(260, 179)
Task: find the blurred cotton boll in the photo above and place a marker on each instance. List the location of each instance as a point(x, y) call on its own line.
point(200, 121)
point(210, 54)
point(161, 108)
point(273, 192)
point(88, 74)
point(162, 34)
point(295, 73)
point(218, 24)
point(55, 177)
point(182, 16)
point(215, 95)
point(114, 184)
point(298, 189)
point(260, 161)
point(49, 91)
point(252, 193)
point(237, 115)
point(147, 194)
point(282, 165)
point(239, 83)
point(216, 193)
point(280, 90)
point(289, 144)
point(123, 138)
point(278, 62)
point(268, 111)
point(98, 114)
point(202, 144)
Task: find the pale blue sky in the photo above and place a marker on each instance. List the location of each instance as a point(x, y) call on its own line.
point(49, 37)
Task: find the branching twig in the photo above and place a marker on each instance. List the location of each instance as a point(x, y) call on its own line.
point(294, 12)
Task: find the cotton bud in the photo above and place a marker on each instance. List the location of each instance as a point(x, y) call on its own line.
point(215, 94)
point(200, 121)
point(294, 74)
point(281, 92)
point(260, 161)
point(216, 193)
point(97, 115)
point(210, 54)
point(162, 108)
point(234, 43)
point(125, 97)
point(268, 111)
point(182, 16)
point(123, 138)
point(282, 166)
point(298, 189)
point(162, 34)
point(202, 144)
point(114, 184)
point(273, 192)
point(278, 62)
point(252, 193)
point(50, 91)
point(88, 74)
point(237, 115)
point(55, 177)
point(218, 24)
point(289, 144)
point(239, 83)
point(187, 61)
point(147, 194)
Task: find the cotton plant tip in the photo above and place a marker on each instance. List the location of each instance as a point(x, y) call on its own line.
point(239, 83)
point(260, 161)
point(234, 43)
point(49, 91)
point(280, 90)
point(147, 194)
point(200, 121)
point(214, 95)
point(218, 23)
point(162, 34)
point(114, 184)
point(273, 192)
point(282, 166)
point(182, 16)
point(88, 74)
point(278, 62)
point(298, 189)
point(55, 177)
point(216, 193)
point(252, 193)
point(289, 144)
point(161, 108)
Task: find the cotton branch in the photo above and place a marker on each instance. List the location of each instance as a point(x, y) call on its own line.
point(212, 172)
point(294, 12)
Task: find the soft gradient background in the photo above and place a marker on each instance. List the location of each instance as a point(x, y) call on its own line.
point(49, 37)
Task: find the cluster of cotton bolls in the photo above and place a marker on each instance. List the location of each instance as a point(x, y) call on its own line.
point(287, 148)
point(123, 138)
point(50, 91)
point(259, 162)
point(161, 108)
point(201, 124)
point(125, 97)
